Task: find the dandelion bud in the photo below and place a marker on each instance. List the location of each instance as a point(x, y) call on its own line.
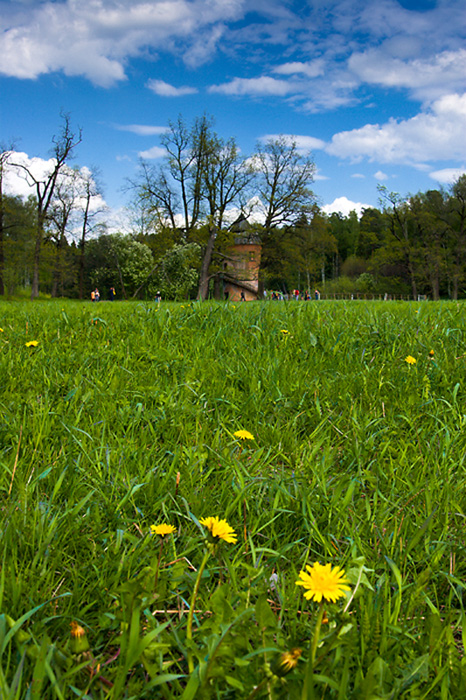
point(79, 642)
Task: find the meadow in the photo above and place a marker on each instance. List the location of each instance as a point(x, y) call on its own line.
point(119, 418)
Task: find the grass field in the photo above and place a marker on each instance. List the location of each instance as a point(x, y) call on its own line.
point(124, 416)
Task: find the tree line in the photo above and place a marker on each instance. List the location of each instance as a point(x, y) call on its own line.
point(184, 214)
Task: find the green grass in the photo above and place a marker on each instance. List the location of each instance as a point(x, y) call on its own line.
point(124, 416)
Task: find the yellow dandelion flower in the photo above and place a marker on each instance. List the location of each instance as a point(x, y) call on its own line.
point(1, 330)
point(244, 435)
point(431, 353)
point(284, 332)
point(410, 360)
point(288, 661)
point(162, 530)
point(32, 344)
point(219, 529)
point(323, 582)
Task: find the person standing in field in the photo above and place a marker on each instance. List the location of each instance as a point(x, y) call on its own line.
point(92, 295)
point(111, 293)
point(96, 294)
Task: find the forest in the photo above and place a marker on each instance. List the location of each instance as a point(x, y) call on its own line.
point(183, 214)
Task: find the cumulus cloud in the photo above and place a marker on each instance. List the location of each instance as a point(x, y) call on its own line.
point(153, 153)
point(344, 206)
point(95, 38)
point(426, 77)
point(434, 134)
point(265, 85)
point(447, 176)
point(142, 129)
point(160, 87)
point(311, 69)
point(16, 181)
point(380, 175)
point(303, 143)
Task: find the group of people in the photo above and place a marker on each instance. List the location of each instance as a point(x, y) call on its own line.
point(95, 294)
point(296, 294)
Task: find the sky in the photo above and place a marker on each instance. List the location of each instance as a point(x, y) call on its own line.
point(375, 90)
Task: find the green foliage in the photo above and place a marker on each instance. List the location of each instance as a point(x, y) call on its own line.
point(118, 261)
point(177, 272)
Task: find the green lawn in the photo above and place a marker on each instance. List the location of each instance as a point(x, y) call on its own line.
point(123, 416)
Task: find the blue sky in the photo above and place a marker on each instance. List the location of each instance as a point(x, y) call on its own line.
point(375, 89)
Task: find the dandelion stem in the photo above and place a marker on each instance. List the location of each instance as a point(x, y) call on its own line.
point(189, 629)
point(315, 640)
point(158, 565)
point(308, 686)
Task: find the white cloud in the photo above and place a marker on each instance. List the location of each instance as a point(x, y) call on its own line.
point(428, 78)
point(344, 206)
point(152, 153)
point(447, 176)
point(16, 181)
point(303, 143)
point(379, 175)
point(94, 38)
point(310, 69)
point(264, 85)
point(142, 129)
point(358, 176)
point(435, 134)
point(160, 87)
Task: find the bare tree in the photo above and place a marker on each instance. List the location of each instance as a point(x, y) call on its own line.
point(225, 177)
point(63, 148)
point(89, 194)
point(284, 177)
point(5, 154)
point(60, 215)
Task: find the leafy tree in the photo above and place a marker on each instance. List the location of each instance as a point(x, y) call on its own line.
point(454, 214)
point(345, 229)
point(400, 220)
point(117, 260)
point(19, 231)
point(177, 271)
point(372, 232)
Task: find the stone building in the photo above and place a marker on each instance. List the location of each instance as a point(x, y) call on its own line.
point(241, 267)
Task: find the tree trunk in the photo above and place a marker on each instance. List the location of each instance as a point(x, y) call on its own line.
point(435, 285)
point(2, 258)
point(57, 285)
point(207, 259)
point(35, 274)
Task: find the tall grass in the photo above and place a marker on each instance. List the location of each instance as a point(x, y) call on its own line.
point(124, 416)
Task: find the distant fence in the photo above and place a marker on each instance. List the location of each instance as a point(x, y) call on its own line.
point(352, 297)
